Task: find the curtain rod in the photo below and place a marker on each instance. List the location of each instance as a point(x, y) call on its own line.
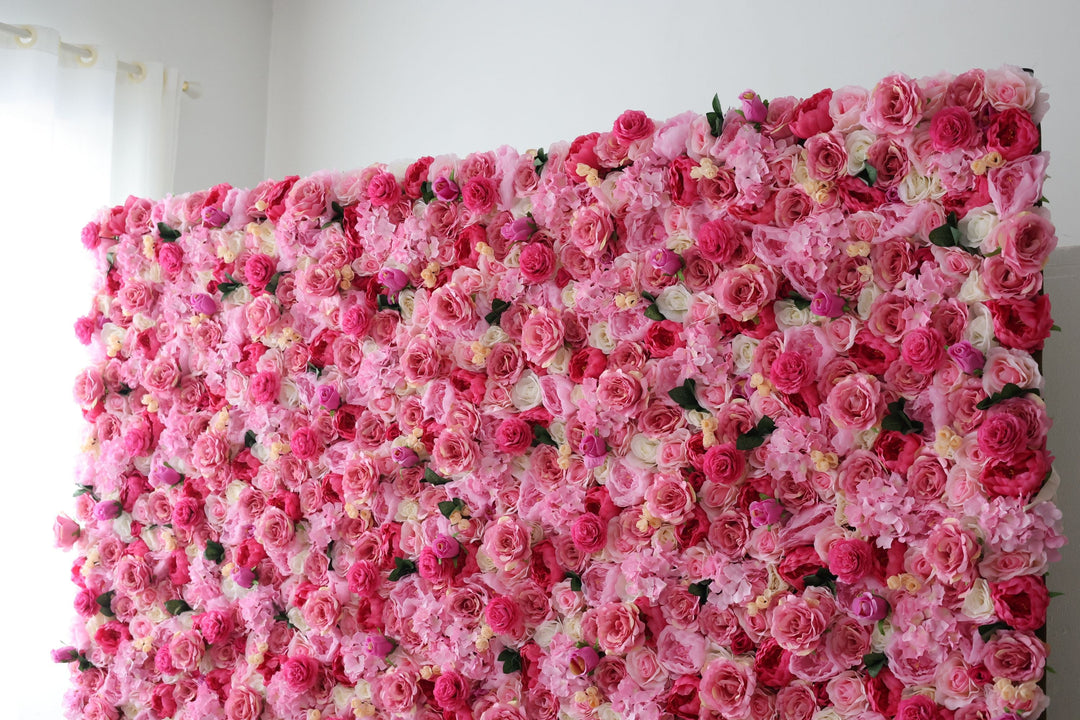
point(135, 70)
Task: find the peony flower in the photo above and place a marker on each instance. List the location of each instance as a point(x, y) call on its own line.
point(404, 456)
point(752, 106)
point(765, 512)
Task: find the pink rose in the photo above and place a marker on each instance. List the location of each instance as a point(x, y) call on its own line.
point(826, 156)
point(589, 533)
point(507, 543)
point(790, 371)
point(1026, 241)
point(968, 357)
point(1002, 436)
point(66, 532)
point(383, 190)
point(743, 291)
point(513, 436)
point(717, 240)
point(855, 403)
point(811, 116)
point(451, 690)
point(895, 106)
point(479, 195)
point(537, 262)
point(264, 387)
point(669, 499)
point(258, 270)
point(1017, 185)
point(542, 336)
point(633, 125)
point(618, 627)
point(300, 673)
point(798, 621)
point(504, 617)
point(452, 309)
point(1013, 134)
point(727, 686)
point(850, 559)
point(723, 464)
point(923, 349)
point(620, 393)
point(952, 128)
point(243, 704)
point(952, 551)
point(304, 443)
point(870, 607)
point(590, 230)
point(1016, 656)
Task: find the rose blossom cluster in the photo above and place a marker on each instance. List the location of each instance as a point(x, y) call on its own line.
point(717, 417)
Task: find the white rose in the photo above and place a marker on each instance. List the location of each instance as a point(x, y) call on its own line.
point(599, 337)
point(493, 336)
point(484, 562)
point(572, 627)
point(866, 300)
point(679, 243)
point(743, 349)
point(607, 712)
point(557, 431)
point(526, 391)
point(788, 314)
point(142, 322)
point(644, 448)
point(978, 604)
point(290, 394)
point(977, 224)
point(407, 509)
point(674, 302)
point(972, 291)
point(827, 714)
point(546, 632)
point(915, 188)
point(407, 301)
point(857, 143)
point(240, 296)
point(296, 561)
point(569, 295)
point(980, 327)
point(560, 364)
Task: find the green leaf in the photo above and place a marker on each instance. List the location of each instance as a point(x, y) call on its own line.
point(822, 578)
point(271, 287)
point(541, 436)
point(337, 217)
point(686, 395)
point(1010, 390)
point(402, 567)
point(83, 489)
point(716, 123)
point(426, 193)
point(755, 437)
point(987, 631)
point(385, 304)
point(449, 507)
point(167, 233)
point(1055, 328)
point(498, 307)
point(700, 589)
point(799, 301)
point(898, 420)
point(430, 476)
point(313, 368)
point(575, 581)
point(510, 659)
point(84, 663)
point(653, 313)
point(1056, 594)
point(875, 663)
point(215, 552)
point(868, 174)
point(104, 601)
point(717, 108)
point(992, 254)
point(250, 439)
point(228, 287)
point(175, 607)
point(540, 161)
point(947, 235)
point(648, 296)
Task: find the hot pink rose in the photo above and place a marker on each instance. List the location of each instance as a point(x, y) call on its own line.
point(479, 195)
point(811, 116)
point(952, 128)
point(850, 559)
point(537, 262)
point(451, 690)
point(300, 673)
point(589, 533)
point(1002, 436)
point(513, 436)
point(542, 336)
point(723, 464)
point(504, 616)
point(1012, 133)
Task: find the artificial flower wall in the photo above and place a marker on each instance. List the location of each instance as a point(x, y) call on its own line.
point(731, 415)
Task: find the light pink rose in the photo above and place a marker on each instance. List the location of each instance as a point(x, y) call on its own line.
point(669, 499)
point(727, 686)
point(742, 292)
point(1026, 241)
point(797, 622)
point(680, 651)
point(855, 403)
point(542, 336)
point(895, 106)
point(618, 627)
point(507, 543)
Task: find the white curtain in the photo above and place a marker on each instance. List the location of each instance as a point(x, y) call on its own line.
point(74, 136)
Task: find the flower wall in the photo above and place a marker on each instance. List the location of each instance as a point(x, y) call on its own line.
point(734, 415)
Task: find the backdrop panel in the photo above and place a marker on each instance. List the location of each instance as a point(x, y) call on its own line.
point(734, 415)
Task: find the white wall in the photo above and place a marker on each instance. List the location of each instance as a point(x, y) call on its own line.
point(352, 83)
point(224, 46)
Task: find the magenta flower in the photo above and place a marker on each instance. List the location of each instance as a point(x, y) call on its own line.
point(203, 304)
point(753, 107)
point(108, 510)
point(393, 280)
point(405, 457)
point(445, 189)
point(583, 660)
point(378, 646)
point(65, 655)
point(871, 607)
point(765, 512)
point(968, 357)
point(667, 261)
point(214, 217)
point(328, 397)
point(244, 577)
point(594, 449)
point(519, 230)
point(827, 305)
point(445, 547)
point(163, 476)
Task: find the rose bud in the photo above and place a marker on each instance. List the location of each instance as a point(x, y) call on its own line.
point(827, 305)
point(214, 217)
point(667, 261)
point(445, 547)
point(765, 512)
point(378, 645)
point(445, 189)
point(328, 397)
point(66, 531)
point(164, 475)
point(583, 660)
point(967, 357)
point(868, 606)
point(202, 304)
point(108, 510)
point(753, 107)
point(393, 280)
point(519, 230)
point(594, 449)
point(65, 655)
point(406, 457)
point(244, 577)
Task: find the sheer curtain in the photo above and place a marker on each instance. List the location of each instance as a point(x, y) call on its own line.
point(75, 135)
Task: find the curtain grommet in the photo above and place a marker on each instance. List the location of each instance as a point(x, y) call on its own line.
point(140, 73)
point(27, 42)
point(89, 59)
